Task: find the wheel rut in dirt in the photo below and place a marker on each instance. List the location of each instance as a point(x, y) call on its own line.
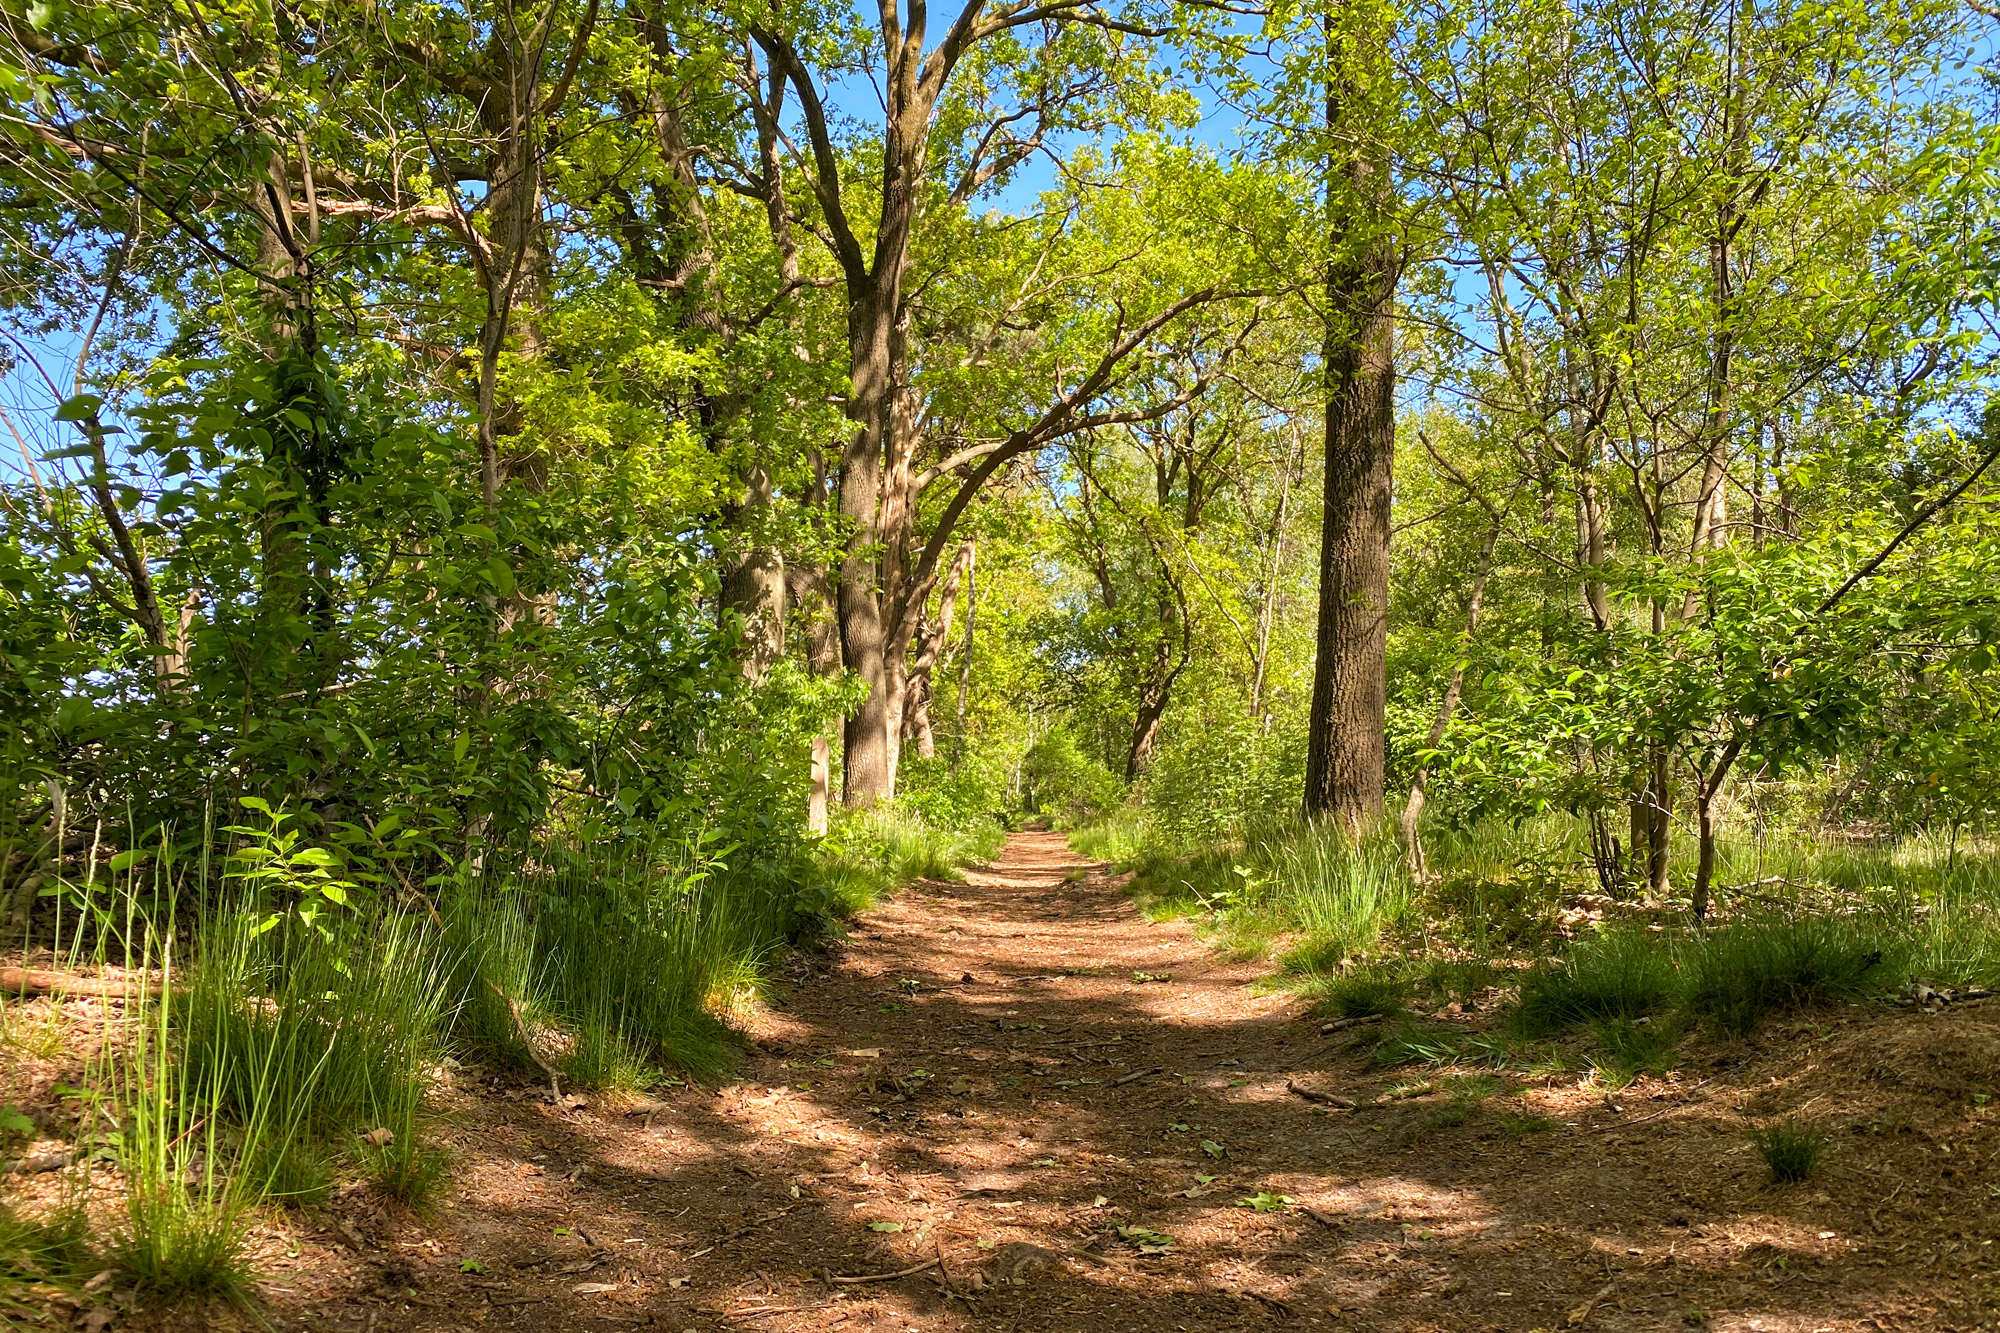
point(1015, 1103)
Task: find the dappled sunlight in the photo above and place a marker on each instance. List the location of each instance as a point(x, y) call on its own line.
point(1052, 1144)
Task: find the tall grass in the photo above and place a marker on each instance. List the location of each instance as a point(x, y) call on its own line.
point(1343, 895)
point(1119, 838)
point(607, 966)
point(186, 1209)
point(890, 846)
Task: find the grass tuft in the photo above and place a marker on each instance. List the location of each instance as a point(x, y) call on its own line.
point(1618, 975)
point(1790, 1149)
point(1365, 992)
point(1739, 974)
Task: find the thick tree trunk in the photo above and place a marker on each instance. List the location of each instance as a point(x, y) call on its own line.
point(869, 773)
point(753, 580)
point(1346, 732)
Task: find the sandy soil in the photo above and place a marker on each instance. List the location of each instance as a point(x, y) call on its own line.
point(1014, 1104)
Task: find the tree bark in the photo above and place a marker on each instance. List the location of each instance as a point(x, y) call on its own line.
point(933, 633)
point(810, 594)
point(1347, 730)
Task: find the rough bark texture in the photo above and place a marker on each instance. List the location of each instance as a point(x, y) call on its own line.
point(1345, 738)
point(933, 633)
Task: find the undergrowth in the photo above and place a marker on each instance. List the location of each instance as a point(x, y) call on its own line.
point(298, 1016)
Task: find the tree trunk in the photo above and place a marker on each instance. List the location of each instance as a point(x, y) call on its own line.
point(869, 775)
point(753, 579)
point(810, 594)
point(1346, 735)
point(965, 661)
point(933, 633)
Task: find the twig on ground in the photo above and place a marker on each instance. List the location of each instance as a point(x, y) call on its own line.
point(1315, 1095)
point(521, 1030)
point(883, 1277)
point(1133, 1078)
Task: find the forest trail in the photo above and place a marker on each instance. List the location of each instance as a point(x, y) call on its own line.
point(969, 1082)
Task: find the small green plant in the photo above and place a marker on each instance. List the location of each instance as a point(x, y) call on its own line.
point(1264, 1201)
point(1790, 1149)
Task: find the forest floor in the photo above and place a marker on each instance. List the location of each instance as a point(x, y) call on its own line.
point(1016, 1104)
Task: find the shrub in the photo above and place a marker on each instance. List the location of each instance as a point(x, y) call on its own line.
point(1790, 1149)
point(1618, 975)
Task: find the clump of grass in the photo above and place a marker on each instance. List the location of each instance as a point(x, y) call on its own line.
point(1740, 973)
point(1618, 975)
point(1342, 894)
point(1790, 1149)
point(1628, 1048)
point(1461, 978)
point(1119, 838)
point(51, 1250)
point(406, 1169)
point(1364, 992)
point(1409, 1043)
point(186, 1215)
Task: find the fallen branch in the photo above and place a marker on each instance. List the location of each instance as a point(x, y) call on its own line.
point(882, 1277)
point(28, 981)
point(1143, 1073)
point(521, 1030)
point(1315, 1095)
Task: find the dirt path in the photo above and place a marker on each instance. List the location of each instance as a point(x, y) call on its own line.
point(982, 1077)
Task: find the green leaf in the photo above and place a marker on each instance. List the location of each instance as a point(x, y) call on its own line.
point(125, 860)
point(885, 1226)
point(80, 408)
point(1263, 1201)
point(1212, 1148)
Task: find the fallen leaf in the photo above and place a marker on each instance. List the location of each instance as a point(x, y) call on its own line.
point(594, 1288)
point(885, 1226)
point(379, 1138)
point(1212, 1148)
